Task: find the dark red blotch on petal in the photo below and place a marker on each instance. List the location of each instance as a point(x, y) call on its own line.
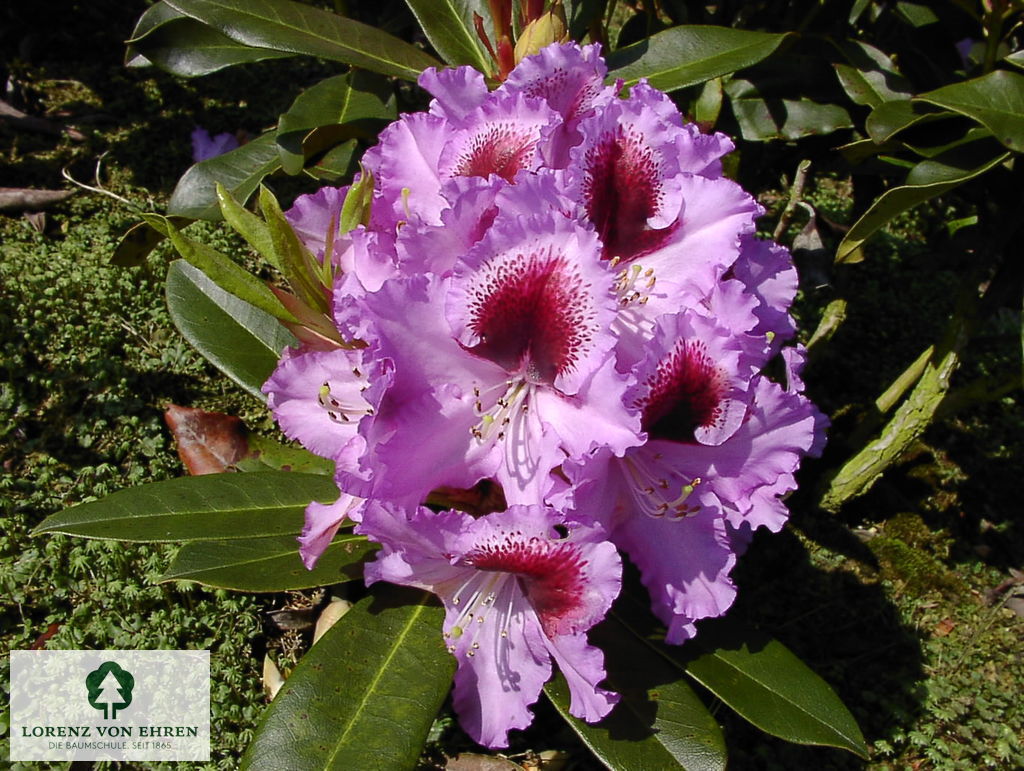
point(685, 392)
point(621, 190)
point(550, 573)
point(499, 148)
point(530, 314)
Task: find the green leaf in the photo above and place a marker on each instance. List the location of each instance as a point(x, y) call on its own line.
point(926, 180)
point(283, 25)
point(221, 269)
point(154, 17)
point(709, 104)
point(582, 14)
point(294, 260)
point(336, 165)
point(355, 210)
point(250, 227)
point(973, 134)
point(139, 240)
point(660, 723)
point(218, 506)
point(240, 171)
point(239, 339)
point(870, 78)
point(269, 564)
point(995, 100)
point(762, 119)
point(448, 25)
point(861, 150)
point(151, 19)
point(859, 6)
point(188, 48)
point(765, 683)
point(1016, 59)
point(266, 455)
point(688, 55)
point(916, 14)
point(357, 101)
point(365, 695)
point(890, 118)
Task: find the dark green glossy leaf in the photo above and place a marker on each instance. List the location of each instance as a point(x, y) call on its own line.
point(890, 118)
point(995, 100)
point(239, 339)
point(926, 180)
point(860, 150)
point(973, 134)
point(336, 165)
point(448, 25)
point(266, 455)
point(268, 564)
point(582, 14)
point(198, 508)
point(762, 119)
point(358, 101)
point(240, 171)
point(188, 48)
point(765, 683)
point(688, 55)
point(365, 695)
point(152, 18)
point(870, 78)
point(283, 25)
point(660, 723)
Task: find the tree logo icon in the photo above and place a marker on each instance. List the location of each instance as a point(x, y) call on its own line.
point(110, 688)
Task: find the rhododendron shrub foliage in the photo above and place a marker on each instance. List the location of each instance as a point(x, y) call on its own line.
point(556, 294)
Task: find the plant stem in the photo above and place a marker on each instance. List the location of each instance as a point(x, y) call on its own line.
point(796, 193)
point(860, 472)
point(831, 318)
point(902, 384)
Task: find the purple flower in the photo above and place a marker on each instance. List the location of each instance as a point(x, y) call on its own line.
point(205, 147)
point(557, 291)
point(520, 588)
point(320, 397)
point(506, 363)
point(638, 176)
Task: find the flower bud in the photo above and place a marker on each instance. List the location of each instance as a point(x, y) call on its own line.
point(543, 31)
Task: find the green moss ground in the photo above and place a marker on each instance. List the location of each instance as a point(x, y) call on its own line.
point(886, 601)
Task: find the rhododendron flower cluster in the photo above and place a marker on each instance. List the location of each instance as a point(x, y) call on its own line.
point(556, 296)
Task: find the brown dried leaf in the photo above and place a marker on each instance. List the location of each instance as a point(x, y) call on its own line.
point(23, 198)
point(944, 627)
point(12, 116)
point(470, 761)
point(208, 442)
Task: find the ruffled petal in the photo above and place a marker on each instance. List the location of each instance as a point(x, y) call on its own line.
point(319, 398)
point(456, 91)
point(322, 523)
